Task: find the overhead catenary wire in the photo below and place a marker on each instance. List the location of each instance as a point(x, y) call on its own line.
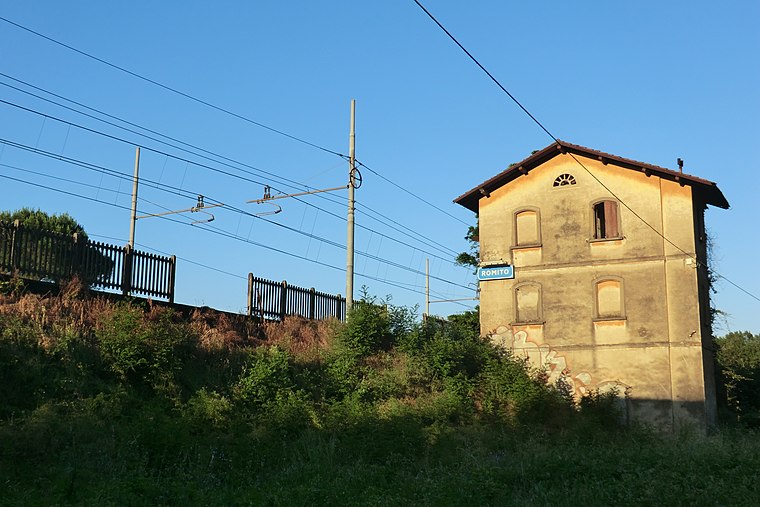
point(578, 161)
point(374, 214)
point(188, 144)
point(220, 233)
point(277, 224)
point(417, 237)
point(204, 152)
point(404, 189)
point(184, 193)
point(172, 89)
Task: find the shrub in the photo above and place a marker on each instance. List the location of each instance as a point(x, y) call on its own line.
point(267, 378)
point(446, 351)
point(23, 366)
point(509, 391)
point(367, 329)
point(144, 350)
point(207, 409)
point(738, 368)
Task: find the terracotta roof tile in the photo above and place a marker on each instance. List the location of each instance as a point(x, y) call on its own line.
point(708, 189)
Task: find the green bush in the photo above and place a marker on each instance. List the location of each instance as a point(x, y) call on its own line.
point(367, 329)
point(24, 367)
point(207, 410)
point(265, 377)
point(738, 370)
point(144, 352)
point(447, 351)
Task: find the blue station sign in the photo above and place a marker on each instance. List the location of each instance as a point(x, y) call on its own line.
point(496, 273)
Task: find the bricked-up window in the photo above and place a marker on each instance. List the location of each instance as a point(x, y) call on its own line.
point(609, 298)
point(527, 228)
point(606, 221)
point(528, 302)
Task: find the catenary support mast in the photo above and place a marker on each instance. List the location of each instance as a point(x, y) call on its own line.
point(134, 199)
point(351, 206)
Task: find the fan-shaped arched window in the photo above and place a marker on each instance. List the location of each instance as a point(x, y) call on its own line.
point(564, 180)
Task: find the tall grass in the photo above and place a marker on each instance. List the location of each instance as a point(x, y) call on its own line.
point(131, 404)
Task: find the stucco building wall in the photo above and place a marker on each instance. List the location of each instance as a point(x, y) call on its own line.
point(653, 347)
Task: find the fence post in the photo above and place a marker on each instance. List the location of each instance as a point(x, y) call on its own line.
point(312, 297)
point(339, 301)
point(15, 247)
point(126, 271)
point(250, 294)
point(172, 277)
point(283, 300)
point(79, 262)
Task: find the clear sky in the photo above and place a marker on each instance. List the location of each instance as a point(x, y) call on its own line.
point(648, 80)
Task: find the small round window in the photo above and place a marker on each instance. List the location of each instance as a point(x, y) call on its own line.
point(564, 180)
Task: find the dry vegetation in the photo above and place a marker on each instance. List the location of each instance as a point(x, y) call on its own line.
point(112, 403)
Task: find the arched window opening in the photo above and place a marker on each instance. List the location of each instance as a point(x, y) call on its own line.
point(564, 180)
point(609, 299)
point(606, 222)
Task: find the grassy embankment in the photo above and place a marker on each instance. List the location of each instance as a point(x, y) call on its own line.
point(118, 404)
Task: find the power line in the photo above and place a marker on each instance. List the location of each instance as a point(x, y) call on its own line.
point(238, 210)
point(100, 169)
point(204, 166)
point(556, 140)
point(206, 103)
point(269, 174)
point(411, 193)
point(218, 232)
point(173, 90)
point(195, 147)
point(162, 252)
point(296, 184)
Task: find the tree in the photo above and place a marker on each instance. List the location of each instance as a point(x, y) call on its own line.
point(471, 258)
point(57, 254)
point(41, 221)
point(738, 364)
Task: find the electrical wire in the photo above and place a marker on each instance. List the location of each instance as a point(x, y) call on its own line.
point(411, 193)
point(218, 232)
point(287, 182)
point(556, 140)
point(183, 259)
point(291, 229)
point(204, 166)
point(174, 90)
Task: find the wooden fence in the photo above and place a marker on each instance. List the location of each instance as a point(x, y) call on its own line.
point(274, 300)
point(48, 255)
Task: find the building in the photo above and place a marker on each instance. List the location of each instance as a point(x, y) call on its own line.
point(604, 278)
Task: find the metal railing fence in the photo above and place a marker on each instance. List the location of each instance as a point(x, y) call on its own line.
point(268, 299)
point(45, 255)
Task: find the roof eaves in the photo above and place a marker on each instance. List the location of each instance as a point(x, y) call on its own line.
point(470, 199)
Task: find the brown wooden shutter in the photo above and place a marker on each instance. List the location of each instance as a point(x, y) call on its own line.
point(611, 219)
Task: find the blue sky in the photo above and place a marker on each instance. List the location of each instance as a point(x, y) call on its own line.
point(652, 81)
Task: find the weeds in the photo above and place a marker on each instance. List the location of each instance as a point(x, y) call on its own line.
point(113, 404)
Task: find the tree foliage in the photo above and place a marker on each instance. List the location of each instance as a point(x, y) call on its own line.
point(42, 221)
point(471, 257)
point(64, 260)
point(738, 361)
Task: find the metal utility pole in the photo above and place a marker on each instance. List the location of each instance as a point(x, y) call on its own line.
point(351, 206)
point(133, 219)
